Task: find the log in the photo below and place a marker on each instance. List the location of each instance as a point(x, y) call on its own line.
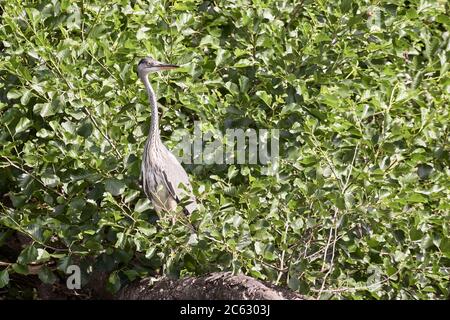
point(214, 286)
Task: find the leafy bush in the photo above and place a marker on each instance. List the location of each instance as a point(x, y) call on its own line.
point(359, 205)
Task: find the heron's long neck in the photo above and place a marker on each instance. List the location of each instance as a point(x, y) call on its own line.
point(154, 125)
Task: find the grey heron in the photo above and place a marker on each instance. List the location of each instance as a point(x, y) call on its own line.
point(164, 180)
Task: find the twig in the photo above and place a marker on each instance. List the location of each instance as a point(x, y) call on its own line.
point(351, 168)
point(20, 229)
point(329, 162)
point(343, 289)
point(280, 274)
point(31, 175)
point(332, 255)
point(383, 126)
point(102, 133)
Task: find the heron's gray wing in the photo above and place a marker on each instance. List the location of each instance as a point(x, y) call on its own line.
point(169, 186)
point(174, 177)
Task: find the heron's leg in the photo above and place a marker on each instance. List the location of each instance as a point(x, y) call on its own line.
point(164, 205)
point(171, 205)
point(158, 204)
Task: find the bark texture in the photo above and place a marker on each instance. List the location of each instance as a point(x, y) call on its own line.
point(214, 286)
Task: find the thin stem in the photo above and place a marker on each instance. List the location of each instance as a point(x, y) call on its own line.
point(31, 175)
point(332, 253)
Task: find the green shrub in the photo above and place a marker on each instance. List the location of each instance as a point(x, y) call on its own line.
point(359, 205)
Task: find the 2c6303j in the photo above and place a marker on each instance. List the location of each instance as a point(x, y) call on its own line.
point(248, 309)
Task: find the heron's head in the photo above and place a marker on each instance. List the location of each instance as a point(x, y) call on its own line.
point(148, 64)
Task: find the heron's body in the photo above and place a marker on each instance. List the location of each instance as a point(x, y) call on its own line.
point(164, 180)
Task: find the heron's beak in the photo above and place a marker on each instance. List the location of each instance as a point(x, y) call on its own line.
point(166, 66)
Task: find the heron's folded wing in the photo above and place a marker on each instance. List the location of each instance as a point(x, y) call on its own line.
point(174, 177)
point(169, 187)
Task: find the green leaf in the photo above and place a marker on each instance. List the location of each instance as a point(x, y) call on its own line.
point(265, 97)
point(43, 255)
point(44, 109)
point(4, 278)
point(50, 179)
point(294, 283)
point(142, 205)
point(13, 94)
point(46, 275)
point(150, 253)
point(330, 100)
point(23, 124)
point(25, 97)
point(20, 269)
point(113, 285)
point(147, 231)
point(114, 186)
point(131, 274)
point(85, 130)
point(243, 63)
point(28, 255)
point(193, 240)
point(416, 197)
point(209, 40)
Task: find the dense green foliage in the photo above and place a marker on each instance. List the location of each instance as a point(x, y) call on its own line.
point(359, 207)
